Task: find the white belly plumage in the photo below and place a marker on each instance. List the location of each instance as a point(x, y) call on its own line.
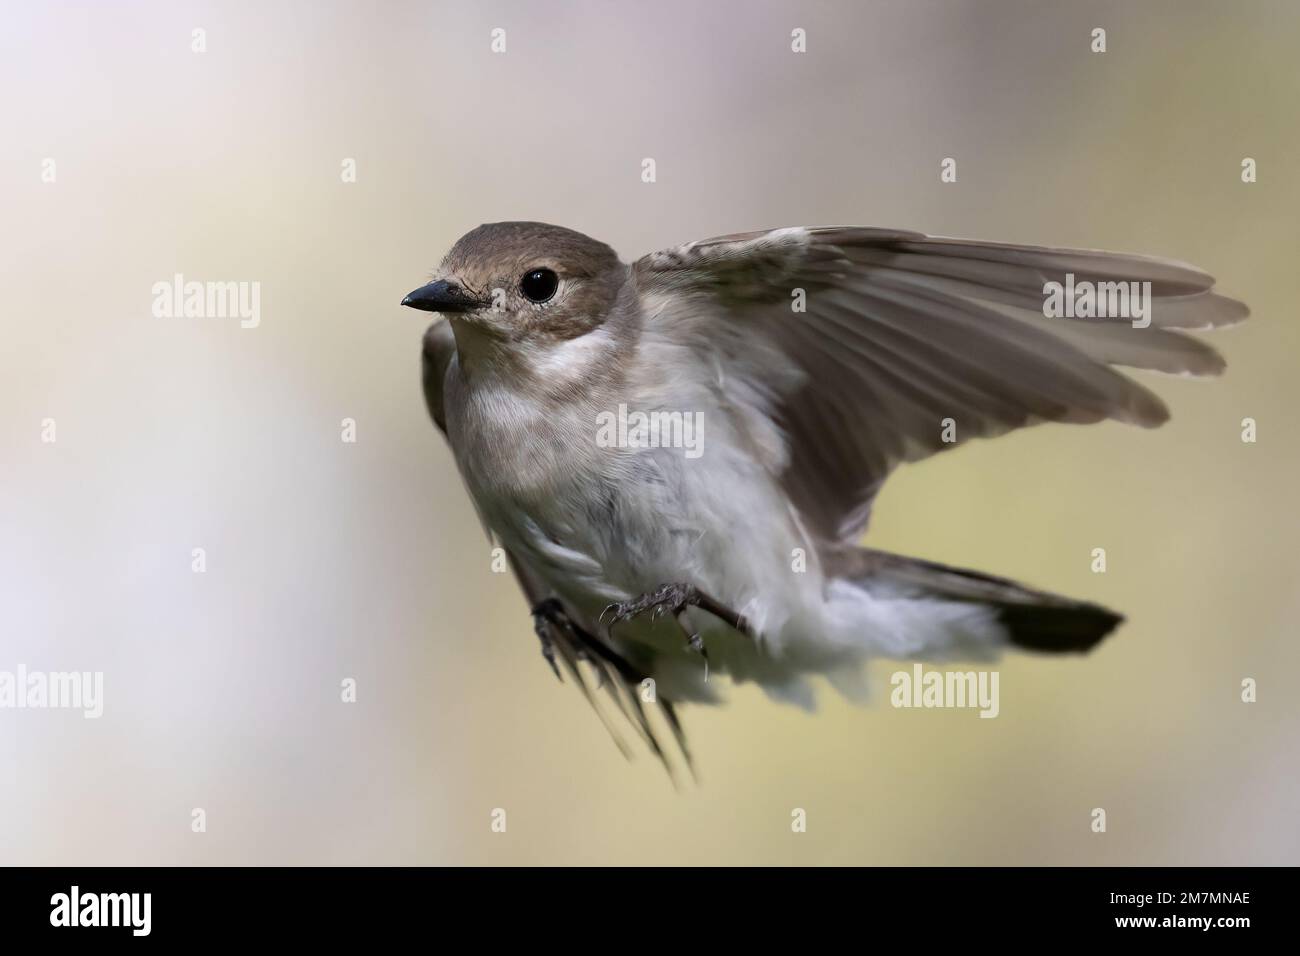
point(606, 524)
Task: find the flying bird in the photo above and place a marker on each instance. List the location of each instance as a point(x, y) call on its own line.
point(680, 455)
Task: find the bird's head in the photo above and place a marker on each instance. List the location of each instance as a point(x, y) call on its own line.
point(523, 284)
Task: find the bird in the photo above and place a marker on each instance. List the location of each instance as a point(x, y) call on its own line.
point(785, 374)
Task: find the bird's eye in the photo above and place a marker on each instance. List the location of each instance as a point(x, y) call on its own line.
point(539, 284)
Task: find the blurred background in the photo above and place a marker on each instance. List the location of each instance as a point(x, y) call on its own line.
point(329, 560)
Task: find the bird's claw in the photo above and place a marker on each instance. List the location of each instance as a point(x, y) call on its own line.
point(546, 615)
point(669, 599)
point(696, 643)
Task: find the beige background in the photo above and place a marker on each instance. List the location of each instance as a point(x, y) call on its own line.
point(328, 560)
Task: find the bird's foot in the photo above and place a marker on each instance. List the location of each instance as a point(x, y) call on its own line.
point(669, 599)
point(674, 599)
point(549, 614)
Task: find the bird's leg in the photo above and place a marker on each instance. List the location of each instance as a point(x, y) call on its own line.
point(546, 615)
point(674, 599)
point(551, 623)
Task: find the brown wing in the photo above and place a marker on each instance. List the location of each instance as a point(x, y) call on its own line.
point(902, 332)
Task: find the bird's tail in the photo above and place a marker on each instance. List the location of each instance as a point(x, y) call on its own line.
point(1033, 620)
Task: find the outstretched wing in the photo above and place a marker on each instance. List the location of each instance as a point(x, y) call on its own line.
point(900, 332)
point(569, 645)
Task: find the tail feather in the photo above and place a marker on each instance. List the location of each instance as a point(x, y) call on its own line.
point(1034, 620)
point(1071, 626)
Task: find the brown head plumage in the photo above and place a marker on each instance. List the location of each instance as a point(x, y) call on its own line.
point(525, 280)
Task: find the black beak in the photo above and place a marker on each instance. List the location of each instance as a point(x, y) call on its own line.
point(441, 296)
